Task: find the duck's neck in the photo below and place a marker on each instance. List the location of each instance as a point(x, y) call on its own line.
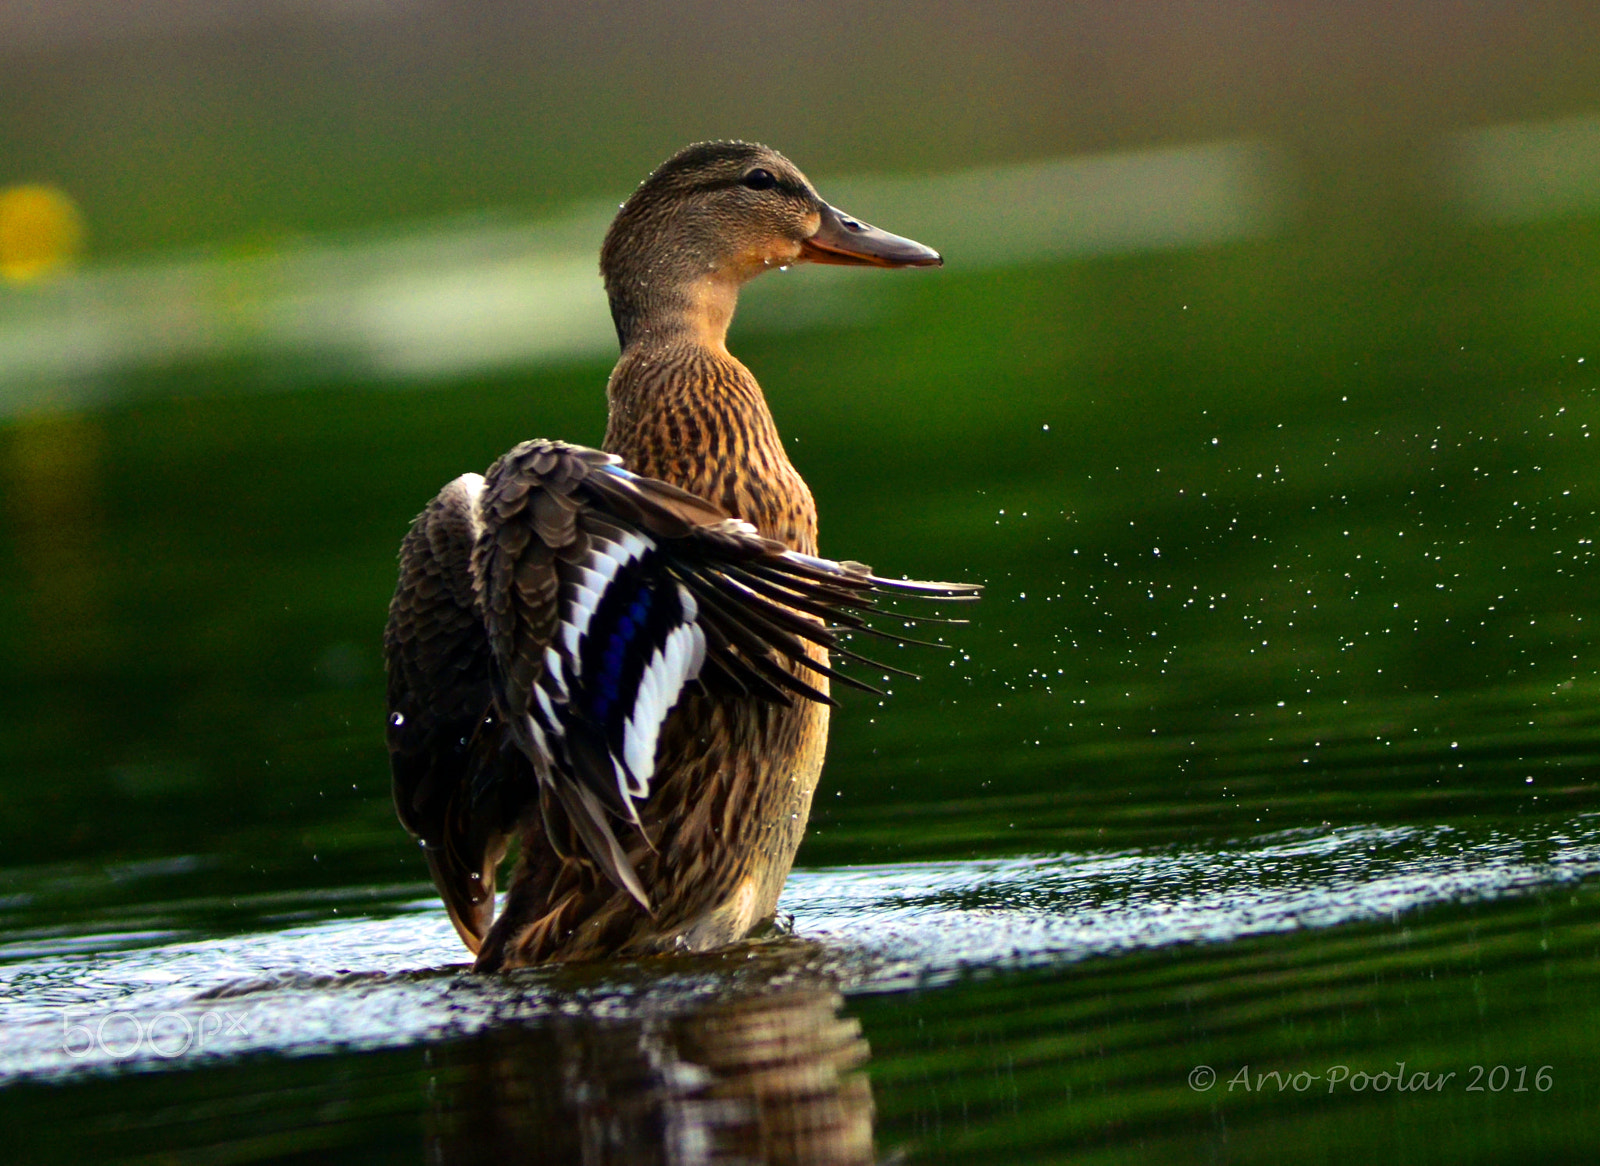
point(676, 307)
point(682, 409)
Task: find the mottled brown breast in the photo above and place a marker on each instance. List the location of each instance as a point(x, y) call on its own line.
point(696, 418)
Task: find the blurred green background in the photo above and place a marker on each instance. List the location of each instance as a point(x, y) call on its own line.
point(1258, 387)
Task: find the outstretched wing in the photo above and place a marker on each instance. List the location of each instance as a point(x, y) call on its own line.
point(459, 781)
point(605, 596)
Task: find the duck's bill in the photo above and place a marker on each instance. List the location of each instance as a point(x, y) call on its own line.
point(842, 239)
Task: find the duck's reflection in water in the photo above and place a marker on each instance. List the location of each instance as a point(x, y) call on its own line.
point(760, 1075)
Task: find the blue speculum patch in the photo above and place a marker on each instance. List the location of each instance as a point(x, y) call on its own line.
point(608, 682)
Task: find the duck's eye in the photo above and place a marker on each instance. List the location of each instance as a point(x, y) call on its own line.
point(759, 179)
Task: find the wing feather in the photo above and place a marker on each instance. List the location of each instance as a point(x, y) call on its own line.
point(564, 606)
point(457, 786)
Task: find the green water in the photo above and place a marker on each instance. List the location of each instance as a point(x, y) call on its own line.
point(1272, 747)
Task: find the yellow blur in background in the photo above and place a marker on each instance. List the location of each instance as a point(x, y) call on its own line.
point(41, 232)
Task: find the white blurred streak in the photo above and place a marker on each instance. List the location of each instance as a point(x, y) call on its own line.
point(479, 293)
point(1188, 196)
point(463, 299)
point(1526, 170)
point(455, 297)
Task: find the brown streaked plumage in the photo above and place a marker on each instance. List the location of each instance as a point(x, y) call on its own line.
point(622, 658)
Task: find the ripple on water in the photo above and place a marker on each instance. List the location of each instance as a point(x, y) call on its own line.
point(72, 1003)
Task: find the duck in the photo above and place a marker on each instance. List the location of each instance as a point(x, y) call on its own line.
point(622, 659)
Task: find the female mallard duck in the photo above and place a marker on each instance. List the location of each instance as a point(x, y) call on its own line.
point(628, 667)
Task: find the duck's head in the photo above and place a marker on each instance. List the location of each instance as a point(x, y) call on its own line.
point(715, 215)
